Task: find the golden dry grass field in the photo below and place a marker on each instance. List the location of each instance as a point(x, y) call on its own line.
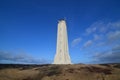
point(60, 72)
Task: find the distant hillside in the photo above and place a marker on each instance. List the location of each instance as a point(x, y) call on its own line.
point(60, 72)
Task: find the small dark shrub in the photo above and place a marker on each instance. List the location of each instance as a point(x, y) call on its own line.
point(70, 70)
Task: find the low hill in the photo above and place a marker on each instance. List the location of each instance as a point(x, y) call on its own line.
point(60, 72)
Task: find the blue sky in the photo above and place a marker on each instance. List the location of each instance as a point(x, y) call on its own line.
point(28, 30)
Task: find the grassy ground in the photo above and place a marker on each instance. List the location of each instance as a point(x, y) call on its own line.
point(60, 72)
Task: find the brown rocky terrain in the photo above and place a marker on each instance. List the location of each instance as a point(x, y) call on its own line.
point(60, 72)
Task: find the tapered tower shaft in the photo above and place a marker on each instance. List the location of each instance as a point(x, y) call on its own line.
point(62, 51)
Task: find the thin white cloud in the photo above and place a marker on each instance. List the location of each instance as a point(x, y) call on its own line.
point(20, 58)
point(103, 36)
point(116, 48)
point(88, 43)
point(96, 37)
point(102, 27)
point(76, 41)
point(97, 26)
point(90, 30)
point(114, 25)
point(110, 56)
point(112, 36)
point(107, 32)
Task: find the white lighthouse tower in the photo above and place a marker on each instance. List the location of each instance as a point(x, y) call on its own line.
point(62, 50)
